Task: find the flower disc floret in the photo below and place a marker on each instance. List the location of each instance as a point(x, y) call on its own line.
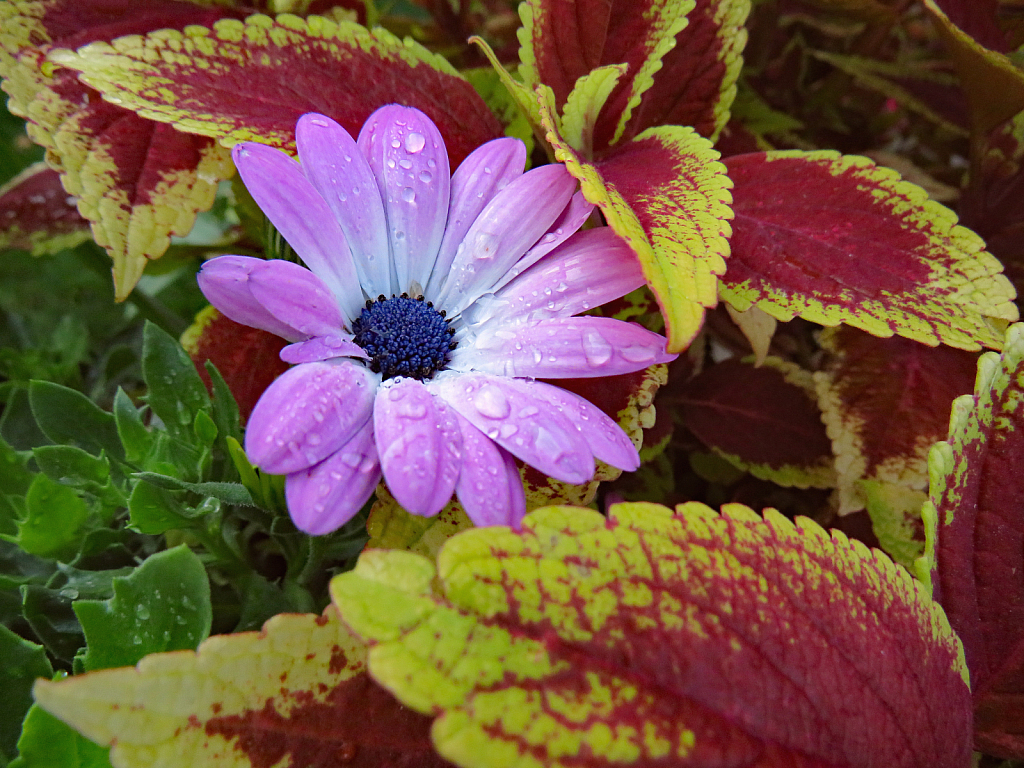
point(404, 336)
point(441, 393)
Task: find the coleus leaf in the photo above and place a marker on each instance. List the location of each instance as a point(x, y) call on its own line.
point(629, 399)
point(885, 402)
point(977, 18)
point(836, 239)
point(36, 214)
point(666, 194)
point(993, 85)
point(296, 691)
point(763, 420)
point(975, 524)
point(585, 641)
point(202, 79)
point(137, 182)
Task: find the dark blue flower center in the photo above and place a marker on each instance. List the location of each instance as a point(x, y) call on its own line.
point(404, 336)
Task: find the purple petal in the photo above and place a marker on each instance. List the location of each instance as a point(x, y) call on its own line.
point(490, 488)
point(419, 444)
point(294, 294)
point(303, 218)
point(307, 414)
point(322, 348)
point(588, 270)
point(564, 347)
point(323, 498)
point(338, 170)
point(606, 439)
point(224, 282)
point(530, 428)
point(509, 225)
point(408, 158)
point(488, 170)
point(565, 226)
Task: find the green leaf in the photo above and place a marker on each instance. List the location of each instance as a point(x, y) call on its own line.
point(23, 663)
point(153, 510)
point(47, 743)
point(176, 393)
point(135, 438)
point(54, 521)
point(69, 465)
point(163, 606)
point(68, 417)
point(51, 617)
point(225, 408)
point(229, 493)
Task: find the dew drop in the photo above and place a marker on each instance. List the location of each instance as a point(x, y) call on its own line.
point(405, 163)
point(136, 640)
point(426, 176)
point(395, 143)
point(596, 349)
point(412, 410)
point(142, 612)
point(399, 234)
point(637, 354)
point(408, 195)
point(415, 142)
point(491, 402)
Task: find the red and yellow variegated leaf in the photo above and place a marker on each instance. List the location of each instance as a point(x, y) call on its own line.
point(562, 42)
point(628, 398)
point(886, 402)
point(29, 28)
point(977, 18)
point(762, 420)
point(994, 86)
point(977, 517)
point(295, 692)
point(667, 195)
point(656, 637)
point(247, 358)
point(203, 80)
point(836, 239)
point(37, 215)
point(696, 83)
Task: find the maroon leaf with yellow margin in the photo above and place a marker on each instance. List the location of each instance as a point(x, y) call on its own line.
point(836, 239)
point(295, 692)
point(886, 402)
point(763, 420)
point(37, 215)
point(137, 182)
point(976, 524)
point(655, 637)
point(203, 79)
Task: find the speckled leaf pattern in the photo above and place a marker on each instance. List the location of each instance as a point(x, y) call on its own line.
point(835, 239)
point(295, 692)
point(37, 215)
point(762, 420)
point(992, 83)
point(202, 80)
point(661, 637)
point(667, 195)
point(975, 522)
point(886, 402)
point(628, 398)
point(137, 182)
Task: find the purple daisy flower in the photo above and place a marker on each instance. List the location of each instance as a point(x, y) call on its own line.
point(430, 306)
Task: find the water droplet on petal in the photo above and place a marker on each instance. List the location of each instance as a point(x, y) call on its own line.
point(596, 349)
point(352, 460)
point(405, 163)
point(638, 354)
point(426, 177)
point(412, 409)
point(408, 195)
point(395, 143)
point(491, 402)
point(415, 142)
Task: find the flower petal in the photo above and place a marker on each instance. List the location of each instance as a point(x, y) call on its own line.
point(322, 348)
point(307, 414)
point(408, 158)
point(324, 497)
point(565, 226)
point(490, 488)
point(563, 347)
point(303, 218)
point(419, 444)
point(488, 170)
point(529, 428)
point(336, 167)
point(588, 270)
point(509, 225)
point(224, 282)
point(294, 294)
point(606, 439)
